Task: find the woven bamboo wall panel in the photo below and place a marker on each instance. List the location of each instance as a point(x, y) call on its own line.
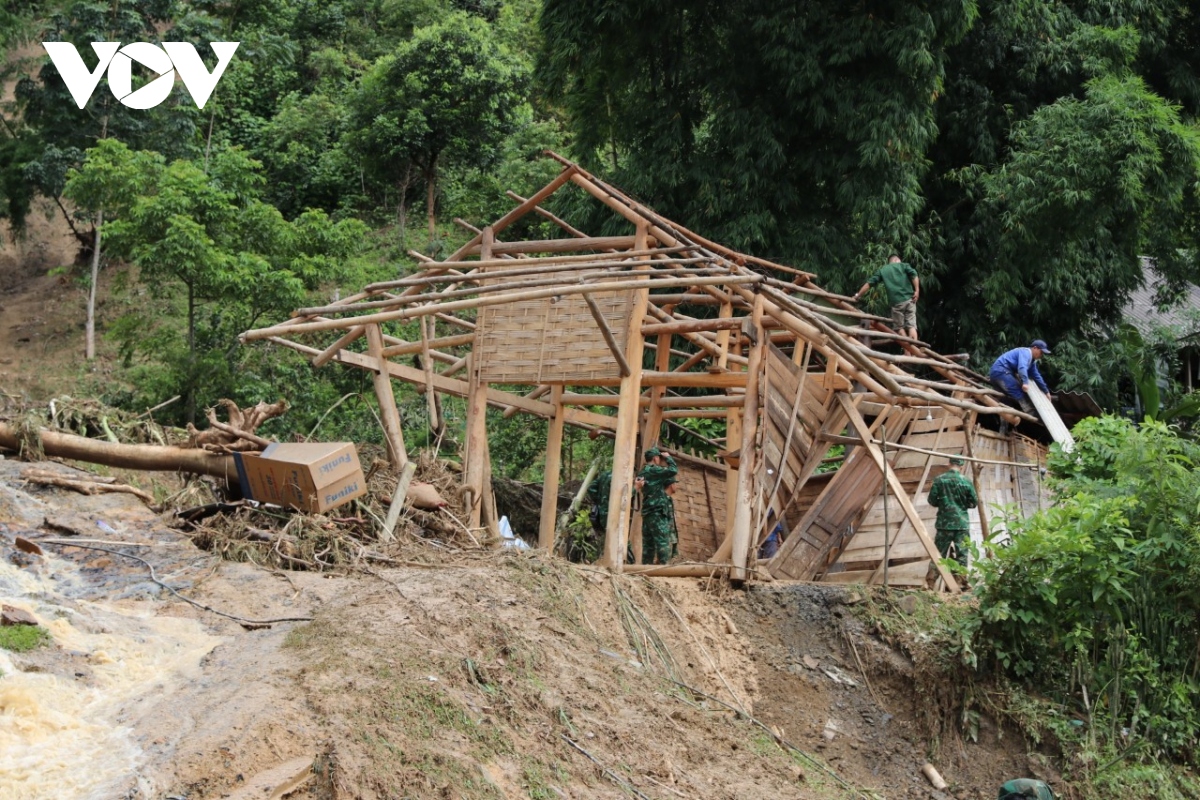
point(700, 511)
point(551, 340)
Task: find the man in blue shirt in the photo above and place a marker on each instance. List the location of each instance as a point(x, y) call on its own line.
point(1013, 371)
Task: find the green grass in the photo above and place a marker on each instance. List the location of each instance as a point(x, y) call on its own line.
point(22, 638)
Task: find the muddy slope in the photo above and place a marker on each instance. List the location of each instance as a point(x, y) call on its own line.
point(478, 676)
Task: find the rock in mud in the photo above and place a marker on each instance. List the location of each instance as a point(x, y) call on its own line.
point(11, 615)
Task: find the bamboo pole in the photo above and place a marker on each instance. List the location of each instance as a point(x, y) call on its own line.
point(888, 539)
point(518, 212)
point(389, 414)
point(692, 326)
point(427, 365)
point(742, 533)
point(726, 312)
point(534, 395)
point(609, 339)
point(632, 210)
point(493, 269)
point(291, 329)
point(496, 283)
point(672, 402)
point(704, 344)
point(496, 398)
point(571, 244)
point(345, 340)
point(554, 441)
point(476, 437)
point(426, 344)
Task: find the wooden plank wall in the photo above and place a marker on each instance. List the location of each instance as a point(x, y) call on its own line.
point(700, 509)
point(551, 340)
point(817, 539)
point(933, 429)
point(998, 484)
point(1033, 495)
point(784, 384)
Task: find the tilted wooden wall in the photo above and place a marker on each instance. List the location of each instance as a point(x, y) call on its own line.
point(794, 410)
point(931, 429)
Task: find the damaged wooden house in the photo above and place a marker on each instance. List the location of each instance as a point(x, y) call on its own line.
point(835, 425)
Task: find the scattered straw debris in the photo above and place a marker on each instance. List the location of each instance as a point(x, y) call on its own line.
point(346, 537)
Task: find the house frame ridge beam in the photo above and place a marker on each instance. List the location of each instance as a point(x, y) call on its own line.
point(500, 299)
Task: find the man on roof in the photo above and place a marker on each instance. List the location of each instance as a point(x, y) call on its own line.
point(1012, 372)
point(903, 290)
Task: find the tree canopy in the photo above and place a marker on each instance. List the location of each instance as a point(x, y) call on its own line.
point(1022, 154)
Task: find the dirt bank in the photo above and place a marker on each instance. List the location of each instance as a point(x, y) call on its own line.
point(479, 676)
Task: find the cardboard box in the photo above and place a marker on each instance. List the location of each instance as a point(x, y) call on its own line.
point(313, 477)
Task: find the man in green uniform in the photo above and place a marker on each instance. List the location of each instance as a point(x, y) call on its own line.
point(1025, 788)
point(952, 494)
point(658, 511)
point(903, 290)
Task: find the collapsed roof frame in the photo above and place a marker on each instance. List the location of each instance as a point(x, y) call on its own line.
point(646, 281)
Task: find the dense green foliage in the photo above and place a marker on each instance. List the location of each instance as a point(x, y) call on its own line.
point(1022, 154)
point(1096, 600)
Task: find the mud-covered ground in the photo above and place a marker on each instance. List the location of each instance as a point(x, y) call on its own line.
point(455, 675)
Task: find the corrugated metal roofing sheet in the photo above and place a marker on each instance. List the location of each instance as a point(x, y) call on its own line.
point(1145, 315)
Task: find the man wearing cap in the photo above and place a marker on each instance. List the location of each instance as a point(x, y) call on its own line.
point(952, 495)
point(658, 512)
point(903, 290)
point(1012, 372)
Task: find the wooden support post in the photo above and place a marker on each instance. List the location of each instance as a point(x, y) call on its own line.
point(650, 429)
point(733, 442)
point(489, 516)
point(860, 425)
point(554, 440)
point(969, 423)
point(628, 413)
point(742, 534)
point(388, 412)
point(427, 364)
point(723, 337)
point(476, 437)
point(476, 455)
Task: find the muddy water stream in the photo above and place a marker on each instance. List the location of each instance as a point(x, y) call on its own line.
point(70, 736)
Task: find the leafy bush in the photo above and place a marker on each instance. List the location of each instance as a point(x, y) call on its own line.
point(1096, 600)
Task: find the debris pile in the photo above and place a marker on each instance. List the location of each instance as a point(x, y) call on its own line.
point(348, 536)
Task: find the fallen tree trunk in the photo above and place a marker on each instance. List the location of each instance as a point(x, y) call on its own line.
point(147, 457)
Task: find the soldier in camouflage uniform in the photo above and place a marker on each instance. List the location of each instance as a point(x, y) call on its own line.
point(953, 494)
point(1025, 789)
point(658, 511)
